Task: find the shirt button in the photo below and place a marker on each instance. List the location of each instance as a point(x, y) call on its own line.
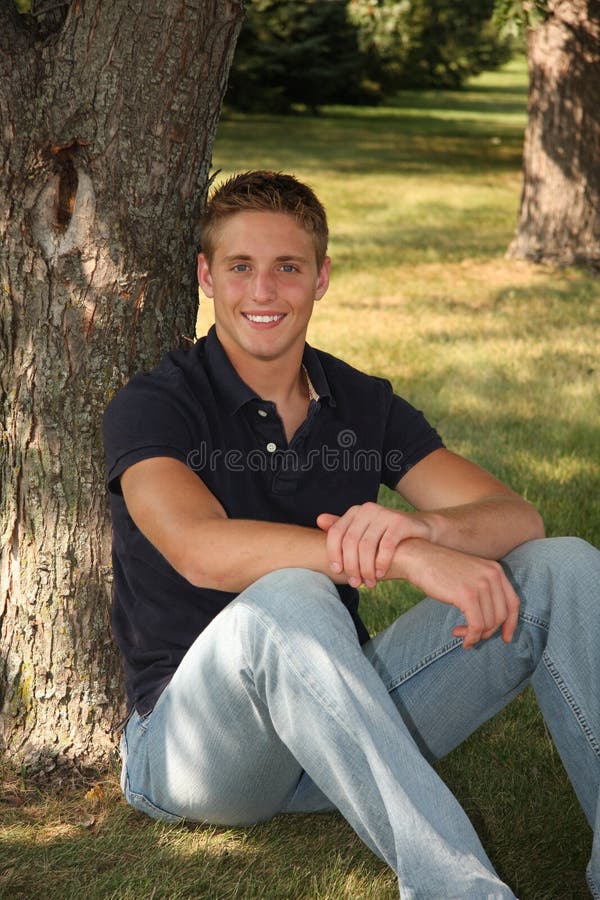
point(262, 413)
point(271, 447)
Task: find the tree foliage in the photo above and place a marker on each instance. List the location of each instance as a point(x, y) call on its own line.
point(303, 51)
point(427, 43)
point(358, 51)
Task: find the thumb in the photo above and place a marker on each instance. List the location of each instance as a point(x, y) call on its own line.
point(326, 520)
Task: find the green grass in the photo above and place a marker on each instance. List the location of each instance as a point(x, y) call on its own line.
point(422, 196)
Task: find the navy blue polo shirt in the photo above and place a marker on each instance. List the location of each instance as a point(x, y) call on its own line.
point(194, 407)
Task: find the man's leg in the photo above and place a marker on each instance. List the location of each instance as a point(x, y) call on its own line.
point(278, 684)
point(444, 693)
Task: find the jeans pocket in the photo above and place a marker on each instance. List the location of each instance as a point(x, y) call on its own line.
point(133, 756)
point(141, 803)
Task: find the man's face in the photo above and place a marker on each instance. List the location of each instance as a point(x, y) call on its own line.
point(264, 280)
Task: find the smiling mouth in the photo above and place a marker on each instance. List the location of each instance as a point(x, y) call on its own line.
point(264, 320)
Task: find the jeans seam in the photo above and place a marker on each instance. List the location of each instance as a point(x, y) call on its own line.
point(591, 883)
point(533, 619)
point(563, 688)
point(442, 651)
point(424, 663)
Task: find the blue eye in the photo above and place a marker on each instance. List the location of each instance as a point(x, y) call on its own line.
point(241, 267)
point(288, 267)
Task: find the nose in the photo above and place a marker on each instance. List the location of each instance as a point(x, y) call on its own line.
point(263, 286)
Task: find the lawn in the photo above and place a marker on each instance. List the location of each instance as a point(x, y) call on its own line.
point(422, 197)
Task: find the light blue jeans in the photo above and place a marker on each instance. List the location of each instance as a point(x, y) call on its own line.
point(276, 708)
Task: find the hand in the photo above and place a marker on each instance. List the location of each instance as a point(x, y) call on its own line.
point(477, 587)
point(363, 541)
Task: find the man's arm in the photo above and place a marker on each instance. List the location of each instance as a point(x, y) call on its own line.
point(465, 520)
point(186, 523)
point(468, 509)
point(457, 504)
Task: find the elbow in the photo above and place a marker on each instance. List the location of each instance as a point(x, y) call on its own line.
point(202, 573)
point(536, 527)
point(201, 558)
point(194, 574)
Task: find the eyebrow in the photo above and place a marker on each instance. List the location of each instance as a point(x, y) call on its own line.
point(246, 256)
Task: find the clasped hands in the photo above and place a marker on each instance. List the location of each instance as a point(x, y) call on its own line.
point(371, 542)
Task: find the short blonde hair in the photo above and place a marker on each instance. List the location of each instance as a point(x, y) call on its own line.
point(264, 191)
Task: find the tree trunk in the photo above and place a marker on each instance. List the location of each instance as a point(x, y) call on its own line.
point(107, 118)
point(559, 220)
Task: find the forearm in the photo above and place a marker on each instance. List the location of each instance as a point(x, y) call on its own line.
point(229, 554)
point(488, 528)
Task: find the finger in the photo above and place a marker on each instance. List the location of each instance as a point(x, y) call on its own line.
point(513, 604)
point(388, 545)
point(341, 551)
point(326, 520)
point(355, 551)
point(460, 631)
point(474, 623)
point(368, 550)
point(505, 605)
point(493, 610)
point(491, 599)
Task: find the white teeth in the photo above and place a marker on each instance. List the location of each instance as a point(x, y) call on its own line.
point(263, 318)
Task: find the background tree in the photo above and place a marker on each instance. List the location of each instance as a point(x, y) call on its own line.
point(295, 51)
point(358, 51)
point(559, 218)
point(428, 43)
point(107, 119)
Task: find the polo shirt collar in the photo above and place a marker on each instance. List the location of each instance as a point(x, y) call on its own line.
point(235, 393)
point(316, 374)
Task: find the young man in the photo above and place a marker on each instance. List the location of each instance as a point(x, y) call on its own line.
point(244, 475)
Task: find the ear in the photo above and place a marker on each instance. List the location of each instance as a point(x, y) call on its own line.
point(204, 276)
point(323, 279)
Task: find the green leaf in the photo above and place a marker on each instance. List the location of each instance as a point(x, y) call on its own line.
point(24, 6)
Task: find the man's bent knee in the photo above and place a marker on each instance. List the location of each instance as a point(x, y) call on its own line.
point(562, 550)
point(560, 573)
point(296, 597)
point(297, 580)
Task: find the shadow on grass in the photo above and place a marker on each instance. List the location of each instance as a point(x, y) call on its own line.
point(53, 844)
point(56, 848)
point(417, 236)
point(483, 100)
point(522, 804)
point(363, 145)
point(477, 129)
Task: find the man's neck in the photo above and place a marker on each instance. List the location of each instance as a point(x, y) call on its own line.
point(280, 380)
point(283, 382)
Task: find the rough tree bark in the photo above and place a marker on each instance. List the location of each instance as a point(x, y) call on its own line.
point(559, 220)
point(107, 117)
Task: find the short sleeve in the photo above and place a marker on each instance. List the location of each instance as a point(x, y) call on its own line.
point(408, 438)
point(144, 420)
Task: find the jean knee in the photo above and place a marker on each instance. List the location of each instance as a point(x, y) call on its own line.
point(553, 551)
point(571, 556)
point(291, 585)
point(562, 573)
point(296, 596)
